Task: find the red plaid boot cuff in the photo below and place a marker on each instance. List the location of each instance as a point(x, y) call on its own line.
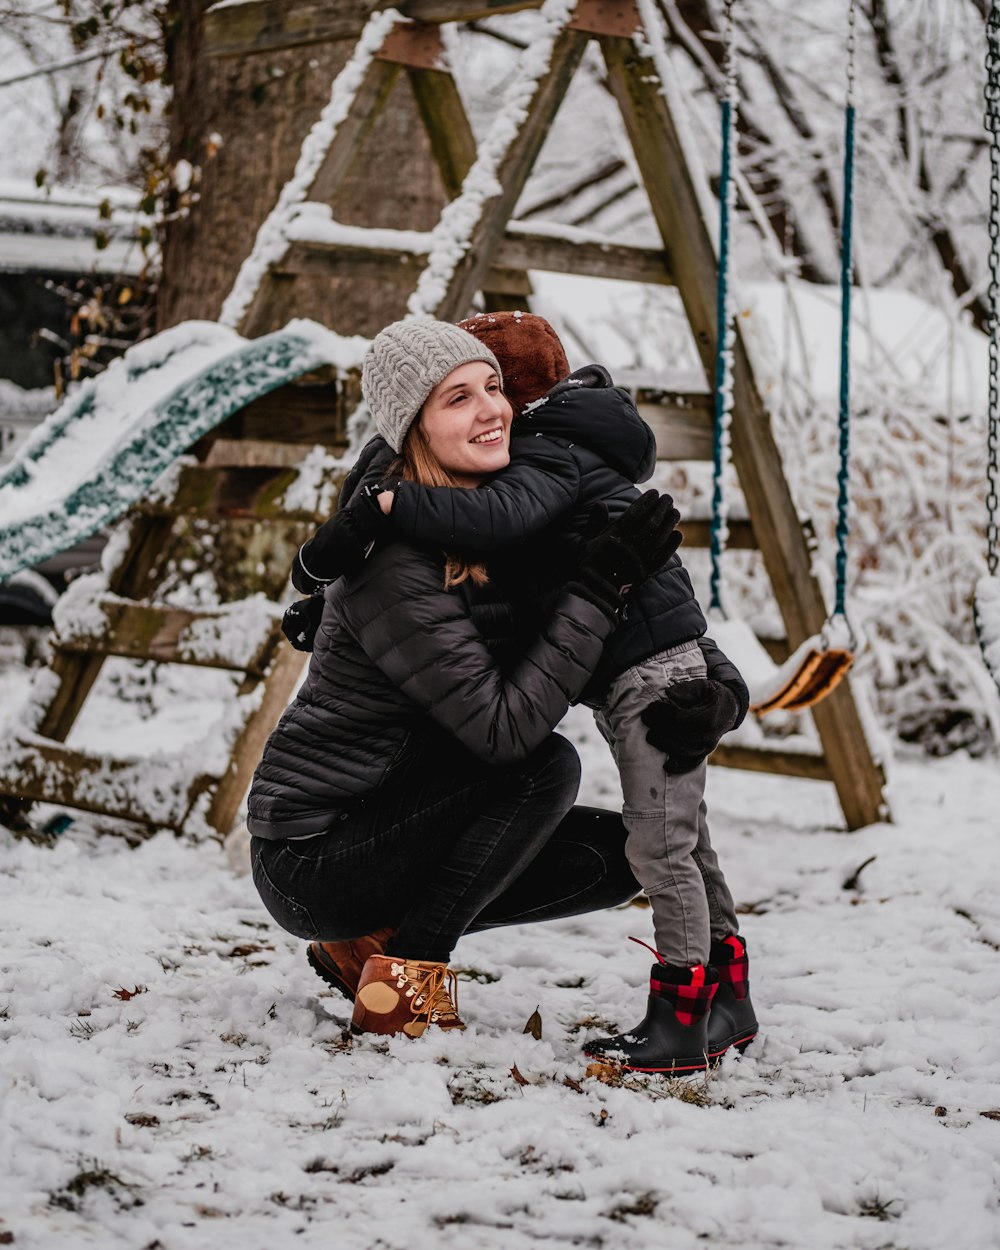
point(729, 958)
point(688, 990)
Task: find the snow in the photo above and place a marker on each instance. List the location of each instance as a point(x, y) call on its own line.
point(105, 447)
point(898, 340)
point(236, 631)
point(314, 223)
point(175, 1073)
point(988, 622)
point(315, 488)
point(917, 347)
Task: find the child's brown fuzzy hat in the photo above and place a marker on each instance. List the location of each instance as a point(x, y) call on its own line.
point(528, 350)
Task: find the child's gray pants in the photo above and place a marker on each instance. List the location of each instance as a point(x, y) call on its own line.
point(668, 845)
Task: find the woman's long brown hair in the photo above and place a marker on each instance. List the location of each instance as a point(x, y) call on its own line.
point(417, 463)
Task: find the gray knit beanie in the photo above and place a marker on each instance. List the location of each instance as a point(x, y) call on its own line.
point(404, 364)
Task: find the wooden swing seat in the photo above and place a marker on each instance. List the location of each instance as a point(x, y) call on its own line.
point(813, 672)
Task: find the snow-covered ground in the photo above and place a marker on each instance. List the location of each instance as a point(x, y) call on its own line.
point(175, 1076)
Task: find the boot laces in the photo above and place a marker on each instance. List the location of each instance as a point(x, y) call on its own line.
point(435, 995)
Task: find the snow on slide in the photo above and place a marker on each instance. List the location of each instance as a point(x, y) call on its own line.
point(108, 442)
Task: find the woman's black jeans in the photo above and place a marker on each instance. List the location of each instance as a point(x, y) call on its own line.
point(450, 846)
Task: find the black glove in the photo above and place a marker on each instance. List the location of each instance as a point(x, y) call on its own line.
point(301, 621)
point(628, 550)
point(340, 545)
point(689, 719)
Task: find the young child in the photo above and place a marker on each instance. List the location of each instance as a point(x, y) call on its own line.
point(663, 694)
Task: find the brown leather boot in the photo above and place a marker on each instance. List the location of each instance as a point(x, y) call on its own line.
point(405, 996)
point(340, 963)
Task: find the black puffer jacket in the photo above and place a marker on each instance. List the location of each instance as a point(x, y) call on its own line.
point(584, 444)
point(396, 653)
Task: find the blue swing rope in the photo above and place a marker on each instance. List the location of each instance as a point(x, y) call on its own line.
point(718, 524)
point(722, 326)
point(846, 267)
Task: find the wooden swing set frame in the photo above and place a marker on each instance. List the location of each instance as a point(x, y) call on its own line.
point(242, 474)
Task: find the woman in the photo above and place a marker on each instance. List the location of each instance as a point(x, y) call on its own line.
point(414, 790)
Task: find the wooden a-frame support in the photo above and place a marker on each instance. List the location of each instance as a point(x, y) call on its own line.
point(495, 261)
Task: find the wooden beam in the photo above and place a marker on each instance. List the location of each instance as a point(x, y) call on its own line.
point(462, 10)
point(508, 283)
point(697, 533)
point(767, 760)
point(552, 254)
point(518, 250)
point(244, 453)
point(251, 493)
point(349, 260)
point(606, 17)
point(682, 423)
point(660, 154)
point(230, 637)
point(469, 273)
point(270, 25)
point(453, 146)
point(371, 94)
point(283, 673)
point(414, 45)
point(130, 578)
point(295, 415)
point(42, 771)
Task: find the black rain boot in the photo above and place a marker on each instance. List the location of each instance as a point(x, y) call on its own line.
point(732, 1021)
point(673, 1038)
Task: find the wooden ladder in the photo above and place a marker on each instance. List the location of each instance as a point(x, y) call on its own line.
point(118, 613)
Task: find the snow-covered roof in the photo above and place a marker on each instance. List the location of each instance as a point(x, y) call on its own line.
point(56, 230)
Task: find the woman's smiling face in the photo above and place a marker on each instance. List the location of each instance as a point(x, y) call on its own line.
point(466, 422)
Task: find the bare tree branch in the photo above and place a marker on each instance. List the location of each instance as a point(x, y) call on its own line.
point(693, 25)
point(911, 144)
point(55, 67)
point(591, 179)
point(500, 36)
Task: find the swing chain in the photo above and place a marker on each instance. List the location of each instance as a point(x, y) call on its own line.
point(729, 51)
point(723, 350)
point(846, 279)
point(992, 124)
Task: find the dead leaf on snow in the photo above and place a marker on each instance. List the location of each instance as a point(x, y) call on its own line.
point(249, 948)
point(534, 1025)
point(516, 1074)
point(142, 1119)
point(124, 995)
point(606, 1073)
